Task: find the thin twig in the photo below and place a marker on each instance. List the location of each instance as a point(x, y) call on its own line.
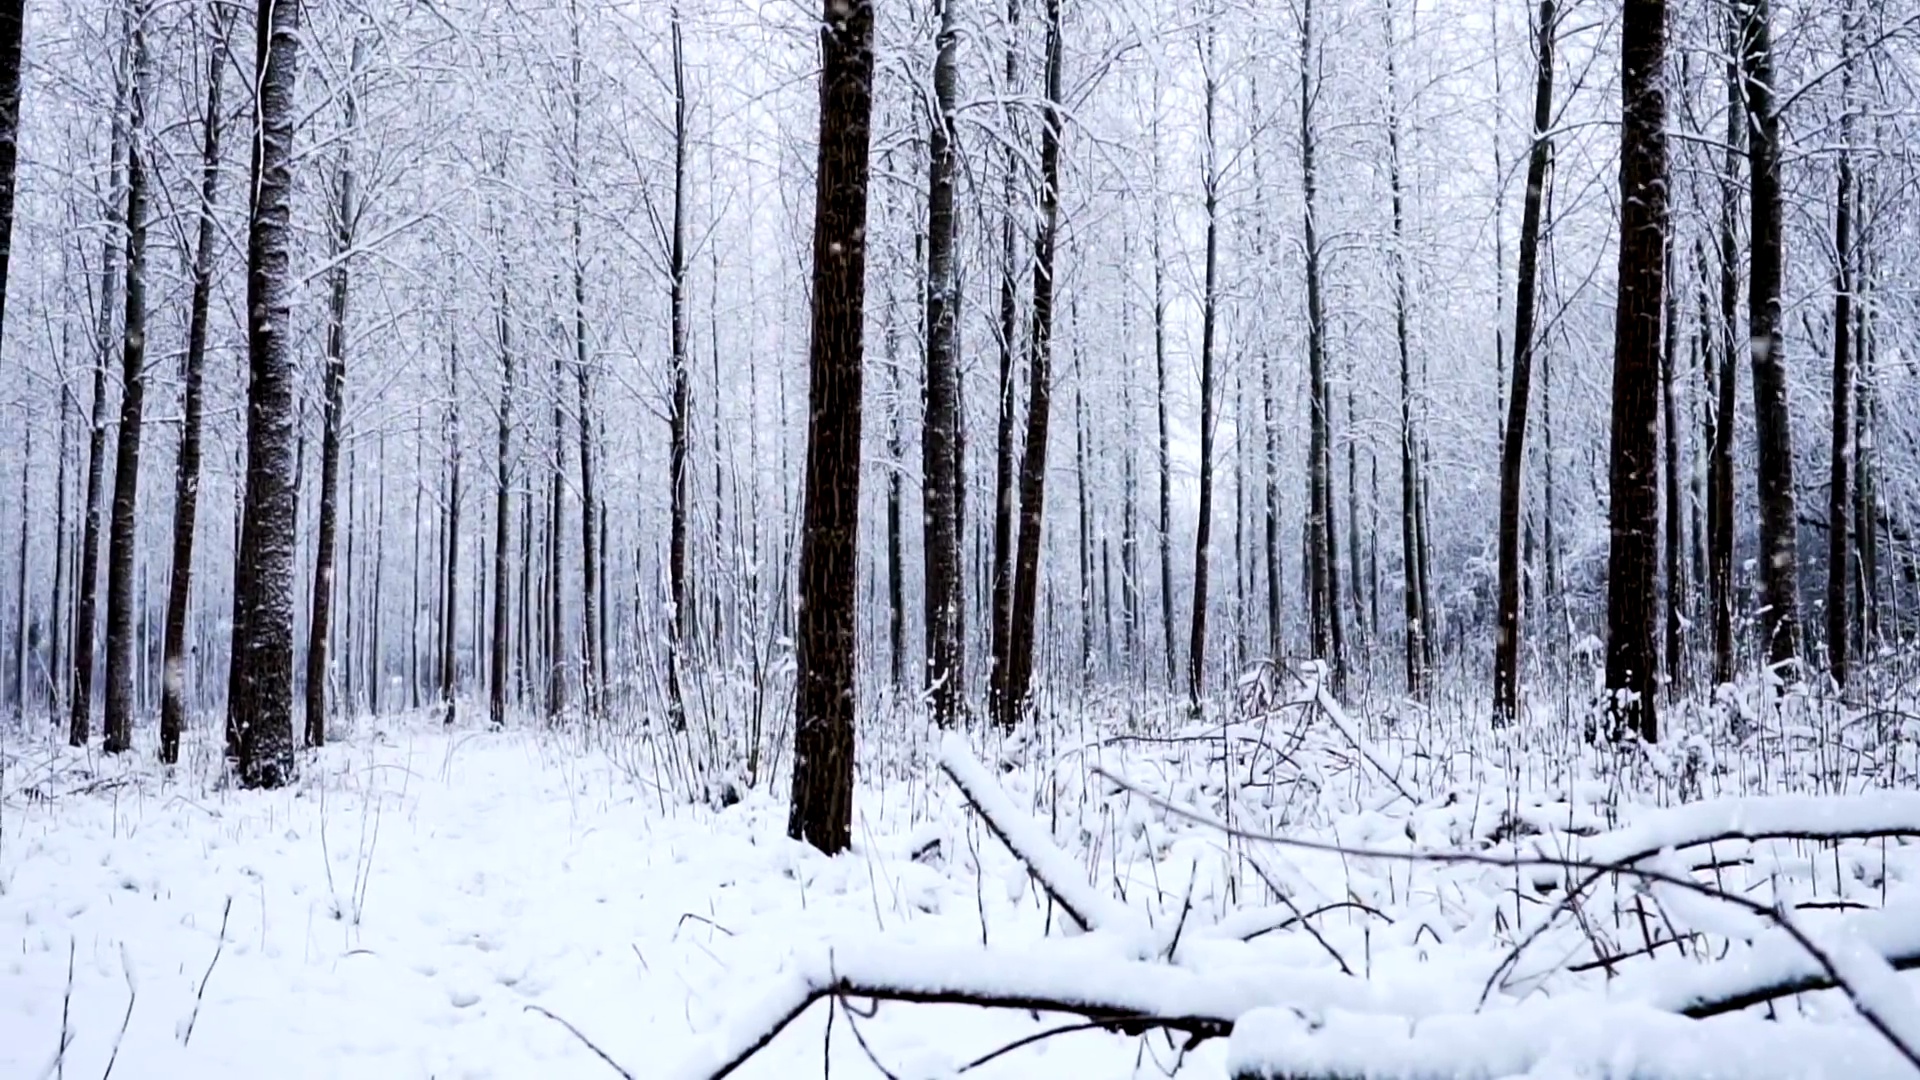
point(578, 1034)
point(201, 993)
point(1028, 1040)
point(132, 995)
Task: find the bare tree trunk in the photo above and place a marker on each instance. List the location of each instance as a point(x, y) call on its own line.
point(590, 514)
point(1720, 501)
point(1674, 515)
point(1506, 645)
point(1276, 572)
point(941, 461)
point(589, 508)
point(320, 622)
point(450, 540)
point(86, 619)
point(1839, 498)
point(417, 618)
point(133, 382)
point(503, 510)
point(1633, 479)
point(376, 655)
point(22, 651)
point(1322, 531)
point(1203, 534)
point(1160, 405)
point(1417, 672)
point(1033, 464)
point(896, 454)
point(681, 403)
point(261, 709)
point(524, 618)
point(1779, 558)
point(1085, 516)
point(556, 625)
point(822, 809)
point(1003, 490)
point(12, 17)
point(58, 609)
point(1866, 512)
point(1130, 515)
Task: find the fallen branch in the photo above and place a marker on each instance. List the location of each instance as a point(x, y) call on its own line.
point(1774, 967)
point(1128, 996)
point(1808, 818)
point(1053, 868)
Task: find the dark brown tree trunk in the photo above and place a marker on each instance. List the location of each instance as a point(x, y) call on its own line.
point(1673, 660)
point(524, 619)
point(11, 25)
point(417, 616)
point(940, 458)
point(261, 710)
point(1322, 531)
point(1720, 501)
point(503, 512)
point(1866, 513)
point(133, 381)
point(1633, 479)
point(1033, 463)
point(589, 503)
point(1203, 532)
point(1506, 642)
point(1086, 590)
point(58, 609)
point(1839, 492)
point(376, 654)
point(450, 546)
point(12, 13)
point(1779, 557)
point(822, 808)
point(1130, 510)
point(681, 400)
point(1160, 407)
point(1003, 491)
point(896, 455)
point(555, 607)
point(22, 648)
point(1415, 629)
point(1356, 579)
point(334, 383)
point(1276, 570)
point(589, 507)
point(87, 579)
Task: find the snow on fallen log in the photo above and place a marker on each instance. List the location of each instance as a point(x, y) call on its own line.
point(1773, 967)
point(1870, 982)
point(1089, 908)
point(1572, 1036)
point(1760, 817)
point(1746, 818)
point(1124, 995)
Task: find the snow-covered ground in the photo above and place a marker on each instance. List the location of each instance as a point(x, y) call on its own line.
point(433, 903)
point(399, 912)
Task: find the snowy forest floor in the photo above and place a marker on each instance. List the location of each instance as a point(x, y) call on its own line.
point(445, 903)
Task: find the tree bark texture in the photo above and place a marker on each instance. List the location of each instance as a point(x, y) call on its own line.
point(823, 741)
